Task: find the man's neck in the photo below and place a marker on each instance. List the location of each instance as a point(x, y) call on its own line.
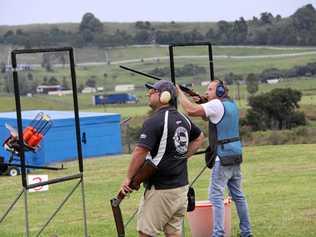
point(162, 107)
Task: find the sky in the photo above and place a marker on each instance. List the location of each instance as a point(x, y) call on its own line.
point(19, 12)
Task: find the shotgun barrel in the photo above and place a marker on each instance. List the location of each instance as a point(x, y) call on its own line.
point(187, 90)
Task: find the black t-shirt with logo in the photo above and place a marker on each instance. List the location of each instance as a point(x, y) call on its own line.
point(167, 134)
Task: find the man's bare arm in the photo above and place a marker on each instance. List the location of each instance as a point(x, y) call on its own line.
point(138, 158)
point(192, 109)
point(195, 145)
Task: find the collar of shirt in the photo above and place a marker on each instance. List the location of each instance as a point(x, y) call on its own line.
point(164, 108)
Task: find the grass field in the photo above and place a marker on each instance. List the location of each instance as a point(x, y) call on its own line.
point(109, 75)
point(279, 182)
point(7, 103)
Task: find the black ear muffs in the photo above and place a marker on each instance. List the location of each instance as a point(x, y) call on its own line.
point(165, 97)
point(220, 89)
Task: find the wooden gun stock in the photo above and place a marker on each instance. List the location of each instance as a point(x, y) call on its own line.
point(190, 92)
point(144, 173)
point(147, 170)
point(118, 217)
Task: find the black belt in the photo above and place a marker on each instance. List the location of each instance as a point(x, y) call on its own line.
point(228, 140)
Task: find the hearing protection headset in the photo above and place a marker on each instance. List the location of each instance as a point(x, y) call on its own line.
point(165, 97)
point(220, 89)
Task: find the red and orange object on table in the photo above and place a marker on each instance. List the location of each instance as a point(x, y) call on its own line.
point(33, 134)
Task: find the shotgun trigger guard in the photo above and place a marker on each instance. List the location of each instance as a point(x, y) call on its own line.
point(115, 202)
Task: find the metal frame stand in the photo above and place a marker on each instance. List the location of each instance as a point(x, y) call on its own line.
point(210, 56)
point(173, 75)
point(12, 205)
point(79, 175)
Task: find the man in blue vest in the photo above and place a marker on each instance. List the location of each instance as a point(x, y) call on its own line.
point(223, 116)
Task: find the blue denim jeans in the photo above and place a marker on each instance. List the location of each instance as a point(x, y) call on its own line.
point(230, 176)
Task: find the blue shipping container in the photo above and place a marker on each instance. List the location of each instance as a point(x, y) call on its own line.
point(100, 135)
point(118, 98)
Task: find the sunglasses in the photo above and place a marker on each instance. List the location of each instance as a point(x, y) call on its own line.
point(152, 91)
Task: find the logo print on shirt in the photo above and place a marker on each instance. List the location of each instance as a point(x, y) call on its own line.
point(181, 140)
point(178, 122)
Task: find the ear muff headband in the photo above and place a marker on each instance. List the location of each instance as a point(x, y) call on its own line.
point(220, 89)
point(165, 97)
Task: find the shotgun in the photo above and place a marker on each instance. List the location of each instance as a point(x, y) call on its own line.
point(187, 90)
point(144, 173)
point(202, 99)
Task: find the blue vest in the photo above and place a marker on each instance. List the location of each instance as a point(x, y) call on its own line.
point(227, 141)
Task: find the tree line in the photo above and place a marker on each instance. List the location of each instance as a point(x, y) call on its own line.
point(186, 70)
point(277, 109)
point(298, 29)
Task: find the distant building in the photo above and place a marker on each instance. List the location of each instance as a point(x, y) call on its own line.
point(60, 93)
point(100, 89)
point(44, 89)
point(124, 87)
point(20, 67)
point(88, 90)
point(273, 81)
point(115, 98)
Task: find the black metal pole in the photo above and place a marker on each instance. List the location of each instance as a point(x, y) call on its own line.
point(76, 108)
point(141, 73)
point(210, 56)
point(78, 135)
point(35, 167)
point(19, 116)
point(11, 206)
point(43, 50)
point(172, 72)
point(190, 44)
point(54, 181)
point(20, 132)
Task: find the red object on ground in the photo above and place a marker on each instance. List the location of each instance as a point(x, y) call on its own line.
point(201, 219)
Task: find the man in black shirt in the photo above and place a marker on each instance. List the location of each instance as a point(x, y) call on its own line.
point(168, 138)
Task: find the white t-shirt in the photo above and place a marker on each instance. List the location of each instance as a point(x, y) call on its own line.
point(214, 110)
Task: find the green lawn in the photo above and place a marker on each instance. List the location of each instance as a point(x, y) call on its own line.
point(109, 75)
point(125, 111)
point(279, 182)
point(44, 102)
